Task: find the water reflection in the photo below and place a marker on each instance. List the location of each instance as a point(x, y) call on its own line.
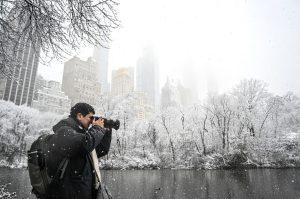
point(178, 184)
point(229, 184)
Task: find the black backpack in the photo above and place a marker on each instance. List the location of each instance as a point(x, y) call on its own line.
point(37, 166)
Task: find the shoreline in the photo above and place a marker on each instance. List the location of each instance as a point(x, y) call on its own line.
point(179, 168)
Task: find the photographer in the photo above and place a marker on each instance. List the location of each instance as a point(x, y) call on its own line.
point(74, 140)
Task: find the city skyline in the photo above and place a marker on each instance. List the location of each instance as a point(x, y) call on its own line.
point(232, 40)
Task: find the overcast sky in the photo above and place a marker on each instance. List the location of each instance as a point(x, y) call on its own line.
point(209, 41)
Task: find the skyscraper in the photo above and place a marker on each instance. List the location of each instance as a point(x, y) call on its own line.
point(169, 94)
point(50, 98)
point(122, 81)
point(175, 94)
point(147, 79)
point(19, 87)
point(79, 81)
point(101, 57)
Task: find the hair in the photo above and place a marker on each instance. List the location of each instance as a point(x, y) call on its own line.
point(82, 108)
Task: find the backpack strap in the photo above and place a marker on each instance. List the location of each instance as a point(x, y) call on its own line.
point(64, 163)
point(61, 170)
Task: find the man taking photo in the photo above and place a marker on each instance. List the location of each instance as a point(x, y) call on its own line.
point(74, 140)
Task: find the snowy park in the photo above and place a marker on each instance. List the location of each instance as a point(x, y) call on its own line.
point(248, 127)
point(149, 99)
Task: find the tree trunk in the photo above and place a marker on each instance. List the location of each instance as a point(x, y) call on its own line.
point(170, 140)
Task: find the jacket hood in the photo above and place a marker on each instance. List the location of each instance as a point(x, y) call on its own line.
point(70, 122)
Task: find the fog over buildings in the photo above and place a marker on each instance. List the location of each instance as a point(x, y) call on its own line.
point(168, 77)
point(100, 55)
point(147, 78)
point(232, 40)
point(122, 81)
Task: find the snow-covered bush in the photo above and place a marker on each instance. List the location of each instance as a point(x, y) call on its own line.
point(248, 127)
point(19, 127)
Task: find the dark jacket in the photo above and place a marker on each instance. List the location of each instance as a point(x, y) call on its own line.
point(72, 141)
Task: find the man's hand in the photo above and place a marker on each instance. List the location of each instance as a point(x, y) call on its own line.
point(99, 122)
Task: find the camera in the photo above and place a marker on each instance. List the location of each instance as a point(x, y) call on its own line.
point(111, 124)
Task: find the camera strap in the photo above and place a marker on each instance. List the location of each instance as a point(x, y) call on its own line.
point(95, 164)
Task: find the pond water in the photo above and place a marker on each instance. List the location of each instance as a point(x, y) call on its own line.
point(178, 184)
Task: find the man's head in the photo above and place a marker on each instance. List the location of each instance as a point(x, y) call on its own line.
point(83, 112)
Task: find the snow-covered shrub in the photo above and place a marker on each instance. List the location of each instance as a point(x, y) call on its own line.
point(19, 127)
point(244, 128)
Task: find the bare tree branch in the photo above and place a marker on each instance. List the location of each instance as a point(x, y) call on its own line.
point(56, 27)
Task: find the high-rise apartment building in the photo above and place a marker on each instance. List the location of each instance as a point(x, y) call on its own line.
point(19, 87)
point(143, 110)
point(80, 81)
point(101, 57)
point(122, 81)
point(147, 79)
point(40, 83)
point(50, 98)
